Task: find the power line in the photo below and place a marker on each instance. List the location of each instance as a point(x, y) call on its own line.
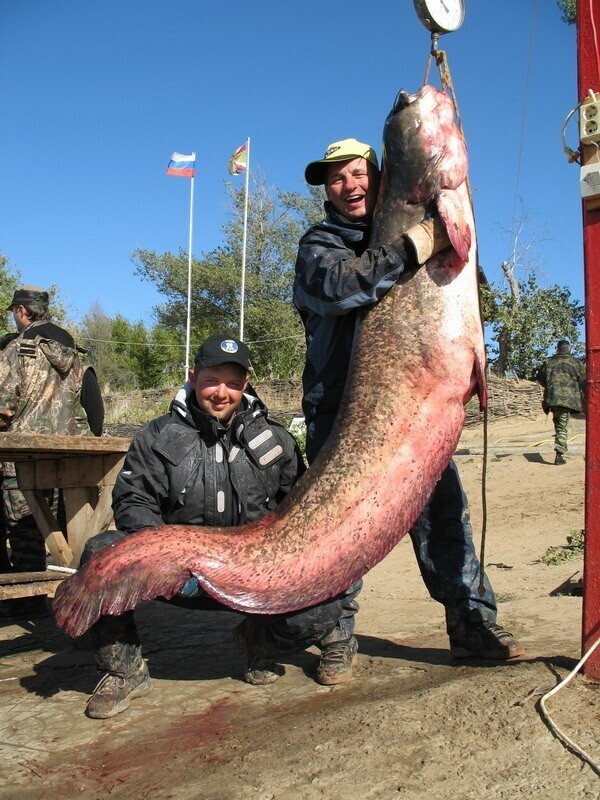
point(529, 60)
point(298, 337)
point(134, 344)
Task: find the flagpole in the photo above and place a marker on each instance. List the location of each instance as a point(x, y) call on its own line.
point(189, 284)
point(245, 240)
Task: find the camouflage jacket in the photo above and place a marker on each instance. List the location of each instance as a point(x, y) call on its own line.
point(40, 387)
point(563, 378)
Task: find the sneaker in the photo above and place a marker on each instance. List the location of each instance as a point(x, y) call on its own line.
point(337, 660)
point(483, 639)
point(261, 671)
point(560, 459)
point(114, 693)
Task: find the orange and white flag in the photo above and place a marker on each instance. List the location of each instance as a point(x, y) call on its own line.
point(239, 160)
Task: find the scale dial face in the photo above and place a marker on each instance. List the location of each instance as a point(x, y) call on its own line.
point(441, 16)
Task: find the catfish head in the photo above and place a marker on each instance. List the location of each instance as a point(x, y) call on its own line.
point(424, 155)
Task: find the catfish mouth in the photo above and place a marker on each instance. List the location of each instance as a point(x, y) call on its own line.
point(402, 101)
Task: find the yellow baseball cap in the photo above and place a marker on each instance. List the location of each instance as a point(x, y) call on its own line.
point(315, 172)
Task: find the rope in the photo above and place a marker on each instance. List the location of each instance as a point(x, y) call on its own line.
point(481, 587)
point(446, 81)
point(554, 727)
point(548, 441)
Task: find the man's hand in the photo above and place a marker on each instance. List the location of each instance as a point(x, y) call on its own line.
point(190, 588)
point(427, 238)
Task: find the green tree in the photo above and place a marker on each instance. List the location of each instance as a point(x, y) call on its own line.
point(526, 327)
point(276, 221)
point(130, 355)
point(94, 333)
point(568, 9)
point(10, 278)
point(166, 358)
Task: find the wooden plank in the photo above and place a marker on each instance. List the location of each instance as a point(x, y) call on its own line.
point(29, 589)
point(92, 469)
point(21, 446)
point(9, 578)
point(576, 580)
point(44, 519)
point(102, 517)
point(79, 508)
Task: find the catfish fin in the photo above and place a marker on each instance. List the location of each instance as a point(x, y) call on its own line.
point(451, 210)
point(103, 587)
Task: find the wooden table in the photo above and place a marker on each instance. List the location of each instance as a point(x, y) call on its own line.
point(85, 468)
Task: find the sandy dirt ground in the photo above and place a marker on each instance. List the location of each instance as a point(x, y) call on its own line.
point(413, 722)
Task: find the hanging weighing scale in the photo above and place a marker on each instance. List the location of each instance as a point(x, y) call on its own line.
point(441, 16)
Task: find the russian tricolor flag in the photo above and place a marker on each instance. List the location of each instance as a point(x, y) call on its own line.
point(181, 165)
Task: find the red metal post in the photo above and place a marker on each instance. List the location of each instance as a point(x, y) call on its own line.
point(588, 63)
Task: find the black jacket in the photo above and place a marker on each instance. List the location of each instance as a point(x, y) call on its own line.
point(336, 275)
point(186, 468)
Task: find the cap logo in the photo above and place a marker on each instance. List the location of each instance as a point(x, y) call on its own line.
point(331, 151)
point(229, 346)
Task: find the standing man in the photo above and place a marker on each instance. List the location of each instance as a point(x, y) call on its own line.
point(337, 275)
point(563, 378)
point(44, 388)
point(216, 459)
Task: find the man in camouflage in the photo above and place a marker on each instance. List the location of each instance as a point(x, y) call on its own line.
point(563, 378)
point(44, 388)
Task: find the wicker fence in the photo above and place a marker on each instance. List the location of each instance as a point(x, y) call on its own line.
point(125, 413)
point(507, 398)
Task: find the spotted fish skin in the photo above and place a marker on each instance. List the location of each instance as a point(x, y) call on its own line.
point(418, 357)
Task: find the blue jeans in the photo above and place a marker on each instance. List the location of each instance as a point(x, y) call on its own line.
point(442, 539)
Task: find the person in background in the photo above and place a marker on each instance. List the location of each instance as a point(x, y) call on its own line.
point(563, 378)
point(44, 388)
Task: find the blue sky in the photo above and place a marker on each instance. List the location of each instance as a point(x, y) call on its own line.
point(96, 95)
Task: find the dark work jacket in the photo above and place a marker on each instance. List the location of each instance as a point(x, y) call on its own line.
point(186, 468)
point(336, 276)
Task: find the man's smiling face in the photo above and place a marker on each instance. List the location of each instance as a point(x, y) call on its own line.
point(352, 188)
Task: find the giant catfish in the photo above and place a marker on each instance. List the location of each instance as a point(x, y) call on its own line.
point(417, 358)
